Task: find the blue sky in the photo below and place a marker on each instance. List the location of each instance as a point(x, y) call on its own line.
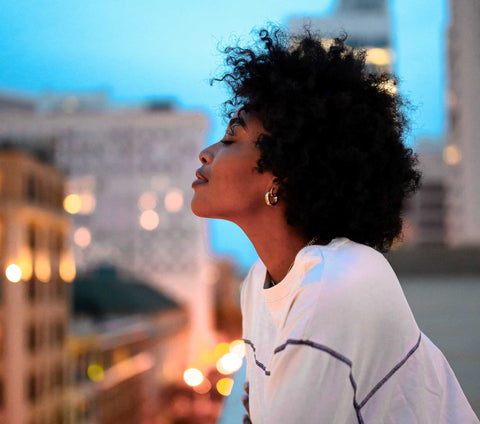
point(139, 49)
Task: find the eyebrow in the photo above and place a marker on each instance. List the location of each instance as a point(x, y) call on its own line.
point(238, 120)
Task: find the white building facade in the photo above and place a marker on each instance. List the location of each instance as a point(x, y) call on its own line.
point(462, 152)
point(366, 23)
point(128, 191)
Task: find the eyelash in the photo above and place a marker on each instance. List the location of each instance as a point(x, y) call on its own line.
point(226, 142)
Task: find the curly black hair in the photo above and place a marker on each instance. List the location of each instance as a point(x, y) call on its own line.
point(335, 134)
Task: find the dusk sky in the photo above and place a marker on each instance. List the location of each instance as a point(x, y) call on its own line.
point(144, 49)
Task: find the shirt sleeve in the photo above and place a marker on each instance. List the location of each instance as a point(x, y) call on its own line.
point(309, 383)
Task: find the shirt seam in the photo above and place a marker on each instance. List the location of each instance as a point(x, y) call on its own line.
point(357, 406)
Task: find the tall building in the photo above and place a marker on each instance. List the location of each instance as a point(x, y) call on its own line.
point(35, 268)
point(425, 212)
point(462, 151)
point(128, 193)
point(367, 24)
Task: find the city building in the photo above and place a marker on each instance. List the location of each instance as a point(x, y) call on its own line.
point(36, 269)
point(128, 193)
point(366, 23)
point(14, 102)
point(462, 152)
point(127, 346)
point(72, 102)
point(425, 212)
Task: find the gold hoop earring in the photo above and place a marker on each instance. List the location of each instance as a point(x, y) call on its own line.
point(270, 198)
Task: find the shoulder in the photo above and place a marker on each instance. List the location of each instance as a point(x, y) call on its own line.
point(353, 260)
point(345, 268)
point(352, 293)
point(252, 283)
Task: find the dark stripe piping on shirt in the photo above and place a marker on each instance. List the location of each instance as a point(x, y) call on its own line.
point(393, 371)
point(336, 355)
point(343, 359)
point(259, 364)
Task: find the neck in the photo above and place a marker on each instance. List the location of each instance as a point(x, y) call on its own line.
point(276, 243)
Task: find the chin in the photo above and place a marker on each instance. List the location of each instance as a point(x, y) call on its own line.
point(203, 210)
point(198, 209)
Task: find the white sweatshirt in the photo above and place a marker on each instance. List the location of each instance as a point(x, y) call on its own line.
point(335, 342)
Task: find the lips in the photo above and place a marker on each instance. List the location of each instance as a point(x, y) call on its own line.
point(201, 179)
point(200, 176)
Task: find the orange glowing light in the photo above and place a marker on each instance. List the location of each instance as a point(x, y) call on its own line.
point(42, 266)
point(87, 203)
point(174, 200)
point(25, 263)
point(95, 372)
point(72, 203)
point(82, 237)
point(67, 268)
point(378, 56)
point(13, 273)
point(220, 367)
point(193, 377)
point(220, 350)
point(229, 363)
point(452, 154)
point(147, 200)
point(149, 220)
point(224, 386)
point(238, 348)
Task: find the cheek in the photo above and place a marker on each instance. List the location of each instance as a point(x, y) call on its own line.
point(235, 189)
point(238, 179)
point(243, 194)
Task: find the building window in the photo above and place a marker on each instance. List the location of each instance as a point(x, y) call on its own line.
point(31, 237)
point(30, 188)
point(41, 191)
point(60, 289)
point(59, 334)
point(31, 338)
point(58, 377)
point(31, 289)
point(31, 387)
point(59, 197)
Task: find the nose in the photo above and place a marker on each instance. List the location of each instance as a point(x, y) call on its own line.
point(206, 155)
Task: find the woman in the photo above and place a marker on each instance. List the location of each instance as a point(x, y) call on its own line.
point(313, 168)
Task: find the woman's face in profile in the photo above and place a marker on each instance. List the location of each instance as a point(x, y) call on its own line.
point(228, 186)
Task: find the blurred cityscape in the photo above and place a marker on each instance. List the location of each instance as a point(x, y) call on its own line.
point(113, 308)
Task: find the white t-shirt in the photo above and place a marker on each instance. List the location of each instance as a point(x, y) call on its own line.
point(335, 342)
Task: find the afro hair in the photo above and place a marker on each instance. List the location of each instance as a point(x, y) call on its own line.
point(334, 136)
